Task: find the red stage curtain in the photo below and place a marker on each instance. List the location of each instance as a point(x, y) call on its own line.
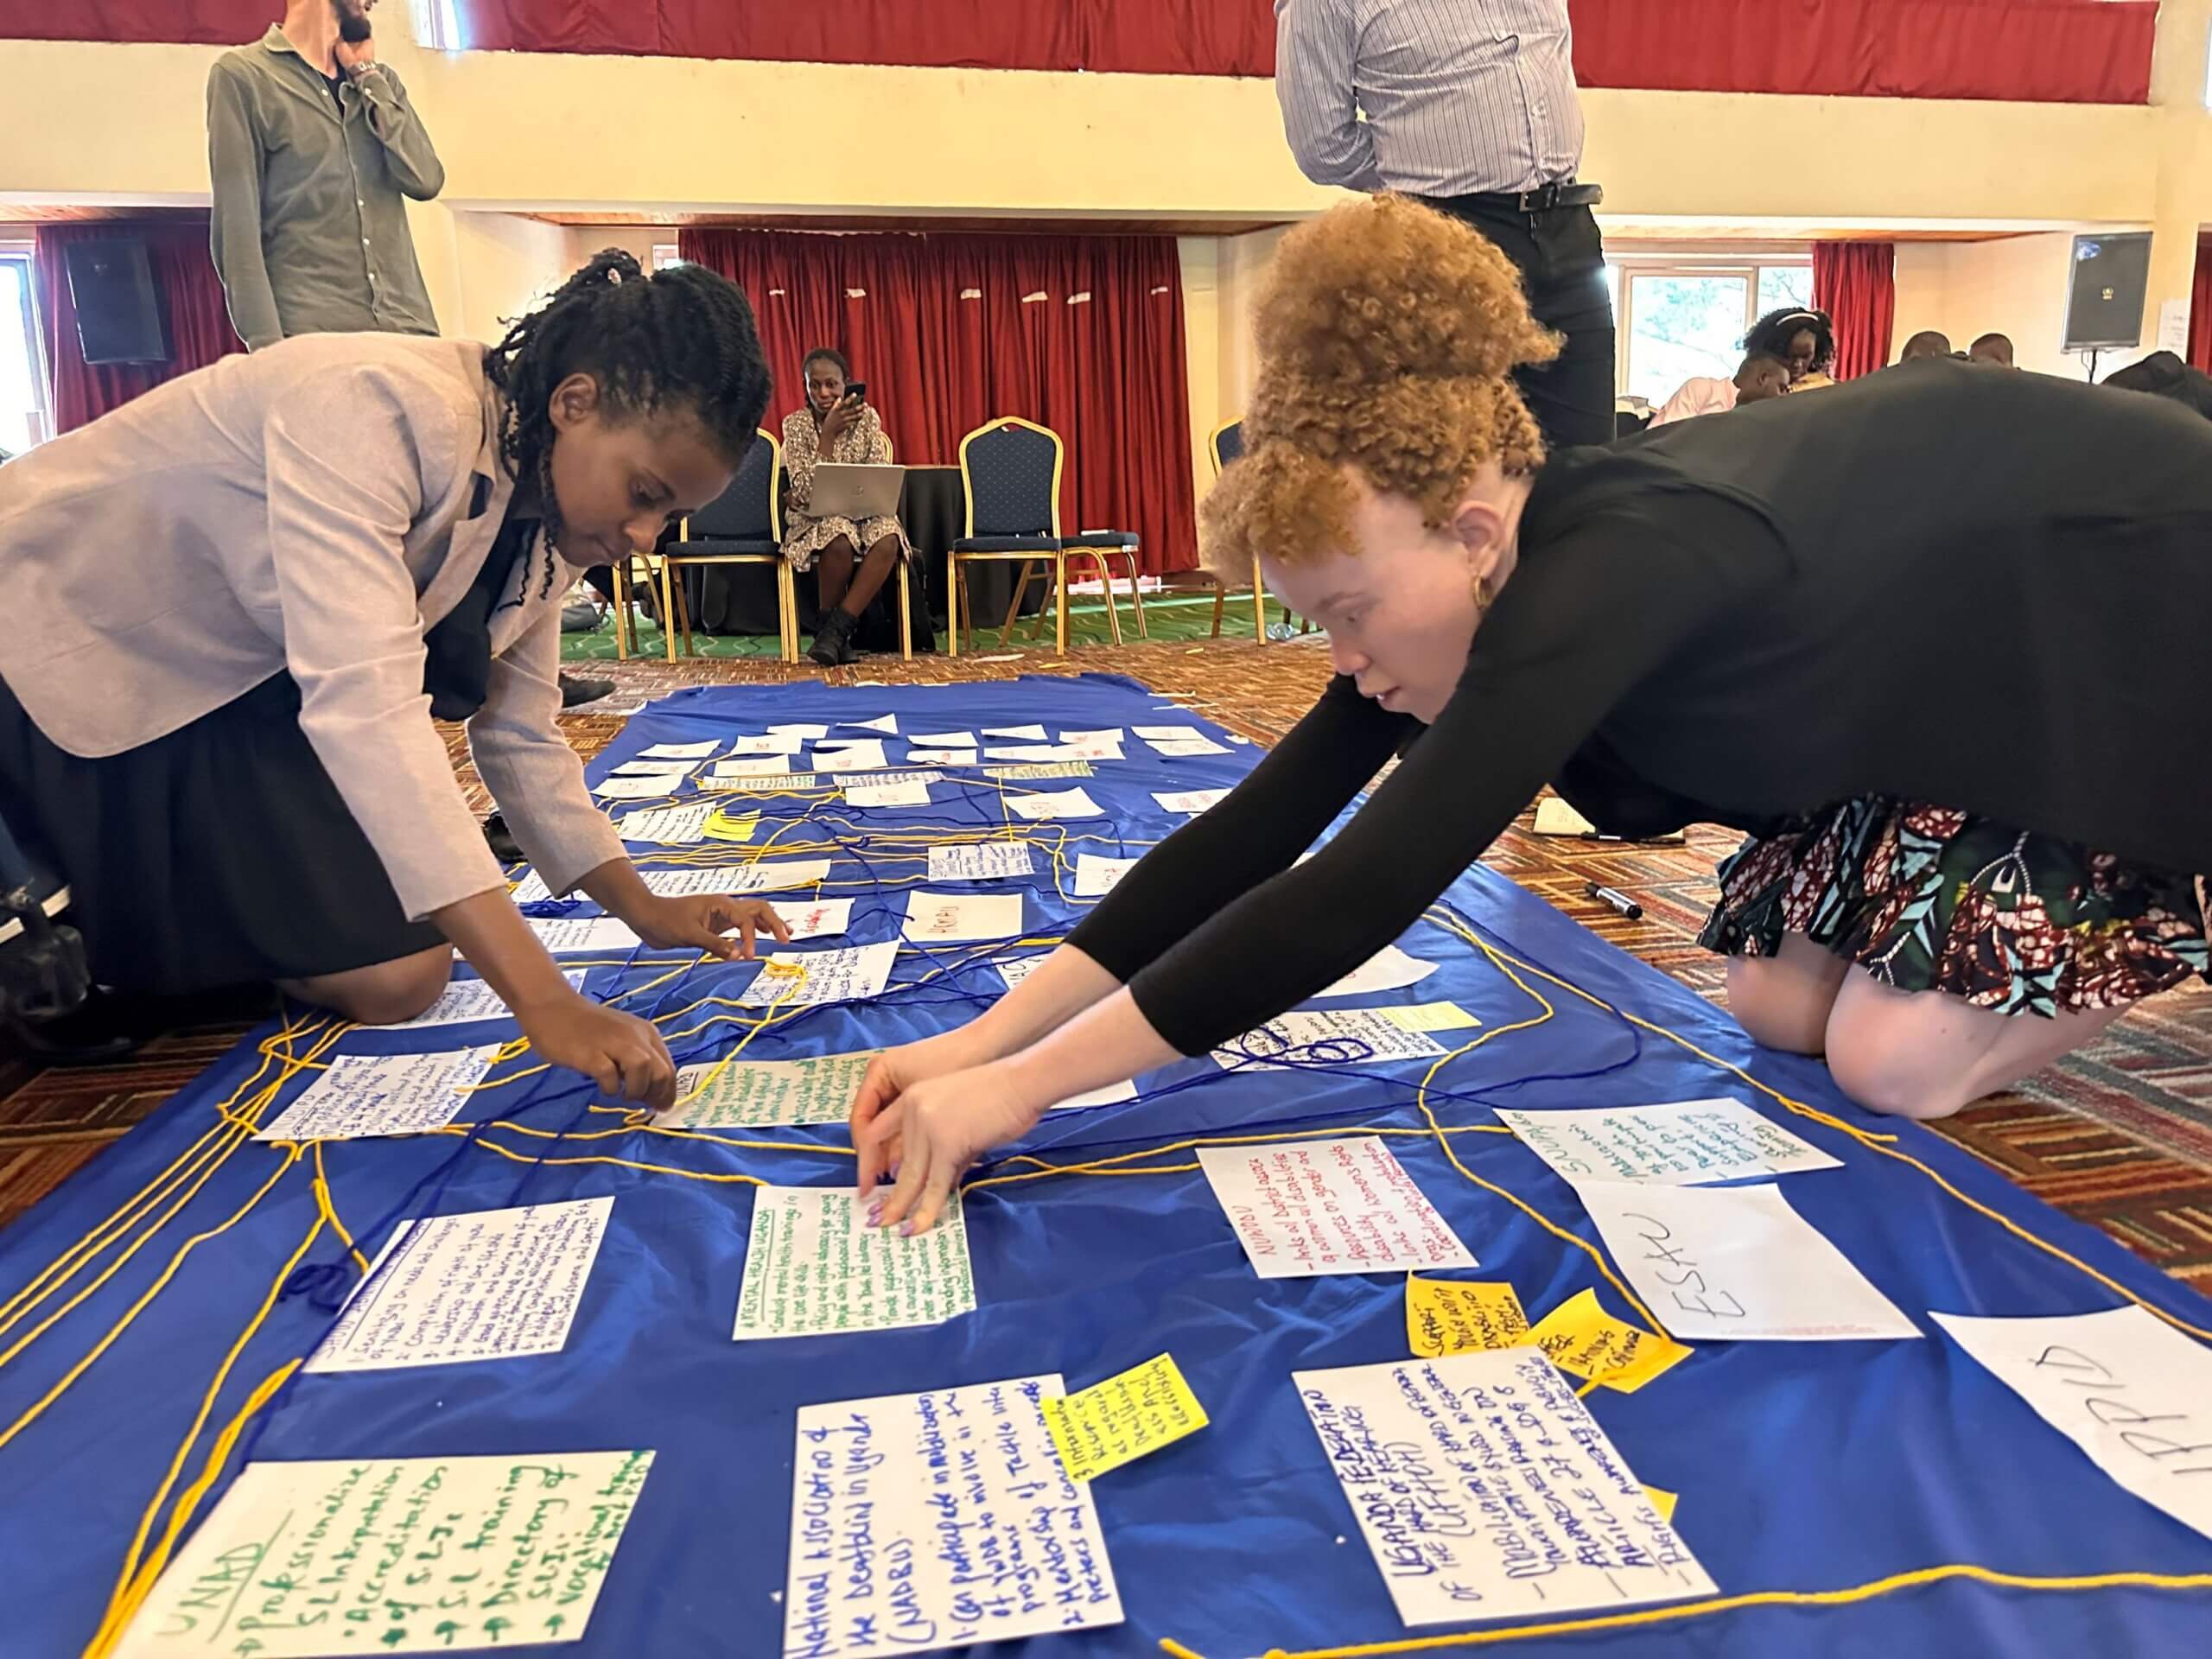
point(2037, 51)
point(949, 331)
point(200, 325)
point(191, 22)
point(972, 34)
point(2048, 51)
point(1855, 283)
point(2200, 308)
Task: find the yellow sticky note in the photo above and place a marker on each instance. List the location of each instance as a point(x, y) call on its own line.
point(1446, 1316)
point(723, 827)
point(1430, 1016)
point(1116, 1422)
point(1582, 1337)
point(1662, 1502)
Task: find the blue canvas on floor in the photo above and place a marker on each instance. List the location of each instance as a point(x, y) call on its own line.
point(1801, 1466)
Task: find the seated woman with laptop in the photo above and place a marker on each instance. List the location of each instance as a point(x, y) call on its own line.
point(854, 511)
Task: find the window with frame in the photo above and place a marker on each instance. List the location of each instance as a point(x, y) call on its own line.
point(1682, 316)
point(26, 408)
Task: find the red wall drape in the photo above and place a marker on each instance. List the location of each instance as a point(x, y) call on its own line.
point(2200, 308)
point(2036, 51)
point(191, 22)
point(2054, 51)
point(1856, 283)
point(949, 331)
point(200, 325)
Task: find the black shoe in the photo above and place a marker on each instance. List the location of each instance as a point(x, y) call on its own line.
point(505, 847)
point(582, 617)
point(577, 691)
point(833, 640)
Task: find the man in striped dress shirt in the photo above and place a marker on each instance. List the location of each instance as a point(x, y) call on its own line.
point(1470, 106)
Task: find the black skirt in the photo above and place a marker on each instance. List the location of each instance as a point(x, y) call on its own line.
point(220, 855)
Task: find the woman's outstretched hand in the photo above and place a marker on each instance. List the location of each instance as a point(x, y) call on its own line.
point(922, 1135)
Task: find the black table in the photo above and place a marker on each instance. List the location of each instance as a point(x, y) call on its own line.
point(933, 509)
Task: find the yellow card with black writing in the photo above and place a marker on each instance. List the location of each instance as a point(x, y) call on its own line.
point(1450, 1316)
point(1582, 1337)
point(1116, 1422)
point(723, 827)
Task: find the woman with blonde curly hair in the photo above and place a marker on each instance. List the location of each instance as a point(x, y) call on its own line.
point(1807, 619)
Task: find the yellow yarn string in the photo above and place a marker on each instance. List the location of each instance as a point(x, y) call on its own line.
point(1669, 1614)
point(121, 1601)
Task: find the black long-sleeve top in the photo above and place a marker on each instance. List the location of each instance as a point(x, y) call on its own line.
point(1990, 591)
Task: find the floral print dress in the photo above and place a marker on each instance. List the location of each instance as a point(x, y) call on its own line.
point(862, 442)
point(1925, 898)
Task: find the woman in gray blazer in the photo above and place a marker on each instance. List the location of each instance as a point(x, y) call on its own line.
point(236, 604)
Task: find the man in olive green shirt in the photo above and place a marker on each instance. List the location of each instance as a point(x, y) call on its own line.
point(311, 143)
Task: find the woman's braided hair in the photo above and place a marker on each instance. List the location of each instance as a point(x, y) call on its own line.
point(681, 339)
point(1387, 336)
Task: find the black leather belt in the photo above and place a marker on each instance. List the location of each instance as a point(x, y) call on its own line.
point(1543, 199)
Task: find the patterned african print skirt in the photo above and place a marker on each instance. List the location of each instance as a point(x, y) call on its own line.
point(1926, 898)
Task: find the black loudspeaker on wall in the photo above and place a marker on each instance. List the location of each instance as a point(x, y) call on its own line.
point(119, 314)
point(2105, 290)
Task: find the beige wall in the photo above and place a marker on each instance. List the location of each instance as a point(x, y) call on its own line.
point(2016, 287)
point(539, 132)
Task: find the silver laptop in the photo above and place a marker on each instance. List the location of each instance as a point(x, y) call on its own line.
point(844, 490)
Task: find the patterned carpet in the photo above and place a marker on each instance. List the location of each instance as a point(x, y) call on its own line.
point(2119, 1134)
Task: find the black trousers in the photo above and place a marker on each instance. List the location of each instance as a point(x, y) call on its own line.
point(1562, 261)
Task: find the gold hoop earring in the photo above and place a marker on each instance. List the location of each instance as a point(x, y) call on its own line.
point(1485, 594)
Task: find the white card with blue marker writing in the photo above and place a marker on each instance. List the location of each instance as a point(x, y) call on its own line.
point(1016, 733)
point(943, 1493)
point(1531, 1511)
point(1387, 970)
point(942, 739)
point(578, 936)
point(863, 755)
point(952, 917)
point(2129, 1390)
point(654, 769)
point(814, 1267)
point(770, 743)
point(1345, 1038)
point(779, 877)
point(1737, 1264)
point(681, 751)
point(942, 758)
point(822, 918)
point(257, 1576)
point(1097, 875)
point(980, 861)
point(470, 1001)
point(666, 826)
point(486, 1284)
point(897, 792)
point(772, 783)
point(1019, 970)
point(1185, 749)
point(1058, 804)
point(798, 728)
point(612, 788)
point(795, 978)
point(531, 890)
point(887, 724)
point(1302, 1209)
point(359, 1096)
point(1192, 801)
point(1683, 1143)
